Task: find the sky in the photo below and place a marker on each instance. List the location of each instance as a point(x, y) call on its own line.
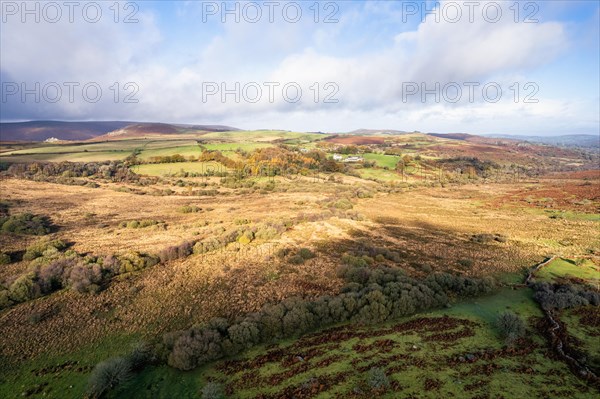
point(481, 67)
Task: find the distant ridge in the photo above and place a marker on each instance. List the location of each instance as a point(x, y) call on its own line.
point(377, 132)
point(81, 131)
point(567, 140)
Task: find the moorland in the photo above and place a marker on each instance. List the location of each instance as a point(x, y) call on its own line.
point(192, 262)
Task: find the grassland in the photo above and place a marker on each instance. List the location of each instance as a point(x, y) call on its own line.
point(382, 160)
point(561, 269)
point(51, 344)
point(335, 362)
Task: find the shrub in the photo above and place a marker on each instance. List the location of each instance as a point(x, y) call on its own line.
point(511, 326)
point(244, 335)
point(26, 223)
point(140, 355)
point(306, 253)
point(173, 252)
point(190, 209)
point(107, 375)
point(139, 224)
point(51, 276)
point(343, 204)
point(195, 347)
point(212, 390)
point(296, 260)
point(85, 277)
point(266, 233)
point(4, 258)
point(24, 288)
point(4, 205)
point(246, 237)
point(39, 248)
point(134, 261)
point(5, 300)
point(377, 379)
point(210, 244)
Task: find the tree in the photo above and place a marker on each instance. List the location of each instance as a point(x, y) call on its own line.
point(511, 326)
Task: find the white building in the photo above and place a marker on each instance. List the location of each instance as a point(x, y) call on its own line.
point(354, 159)
point(337, 157)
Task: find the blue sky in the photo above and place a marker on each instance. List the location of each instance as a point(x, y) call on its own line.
point(358, 71)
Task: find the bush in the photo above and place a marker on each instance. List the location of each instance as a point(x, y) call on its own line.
point(5, 300)
point(212, 390)
point(85, 278)
point(511, 326)
point(133, 261)
point(343, 204)
point(26, 223)
point(39, 248)
point(51, 275)
point(296, 260)
point(140, 355)
point(139, 224)
point(246, 237)
point(190, 209)
point(377, 379)
point(564, 296)
point(4, 258)
point(195, 347)
point(306, 253)
point(107, 375)
point(24, 288)
point(173, 252)
point(266, 233)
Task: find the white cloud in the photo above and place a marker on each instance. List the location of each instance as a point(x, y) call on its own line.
point(370, 78)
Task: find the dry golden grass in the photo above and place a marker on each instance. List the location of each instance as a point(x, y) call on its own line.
point(430, 226)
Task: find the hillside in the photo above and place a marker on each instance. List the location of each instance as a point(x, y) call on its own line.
point(80, 131)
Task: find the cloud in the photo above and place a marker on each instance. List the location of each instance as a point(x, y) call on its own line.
point(172, 57)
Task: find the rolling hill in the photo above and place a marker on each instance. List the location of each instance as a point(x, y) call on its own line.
point(80, 131)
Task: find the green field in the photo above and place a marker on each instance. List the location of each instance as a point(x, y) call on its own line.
point(225, 147)
point(566, 268)
point(60, 375)
point(382, 160)
point(580, 324)
point(186, 149)
point(102, 151)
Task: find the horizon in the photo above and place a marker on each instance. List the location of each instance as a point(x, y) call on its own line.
point(343, 65)
point(491, 134)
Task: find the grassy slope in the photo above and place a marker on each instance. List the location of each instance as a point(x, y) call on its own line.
point(560, 268)
point(64, 373)
point(428, 360)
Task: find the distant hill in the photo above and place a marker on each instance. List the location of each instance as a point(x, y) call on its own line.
point(569, 140)
point(42, 130)
point(376, 132)
point(81, 131)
